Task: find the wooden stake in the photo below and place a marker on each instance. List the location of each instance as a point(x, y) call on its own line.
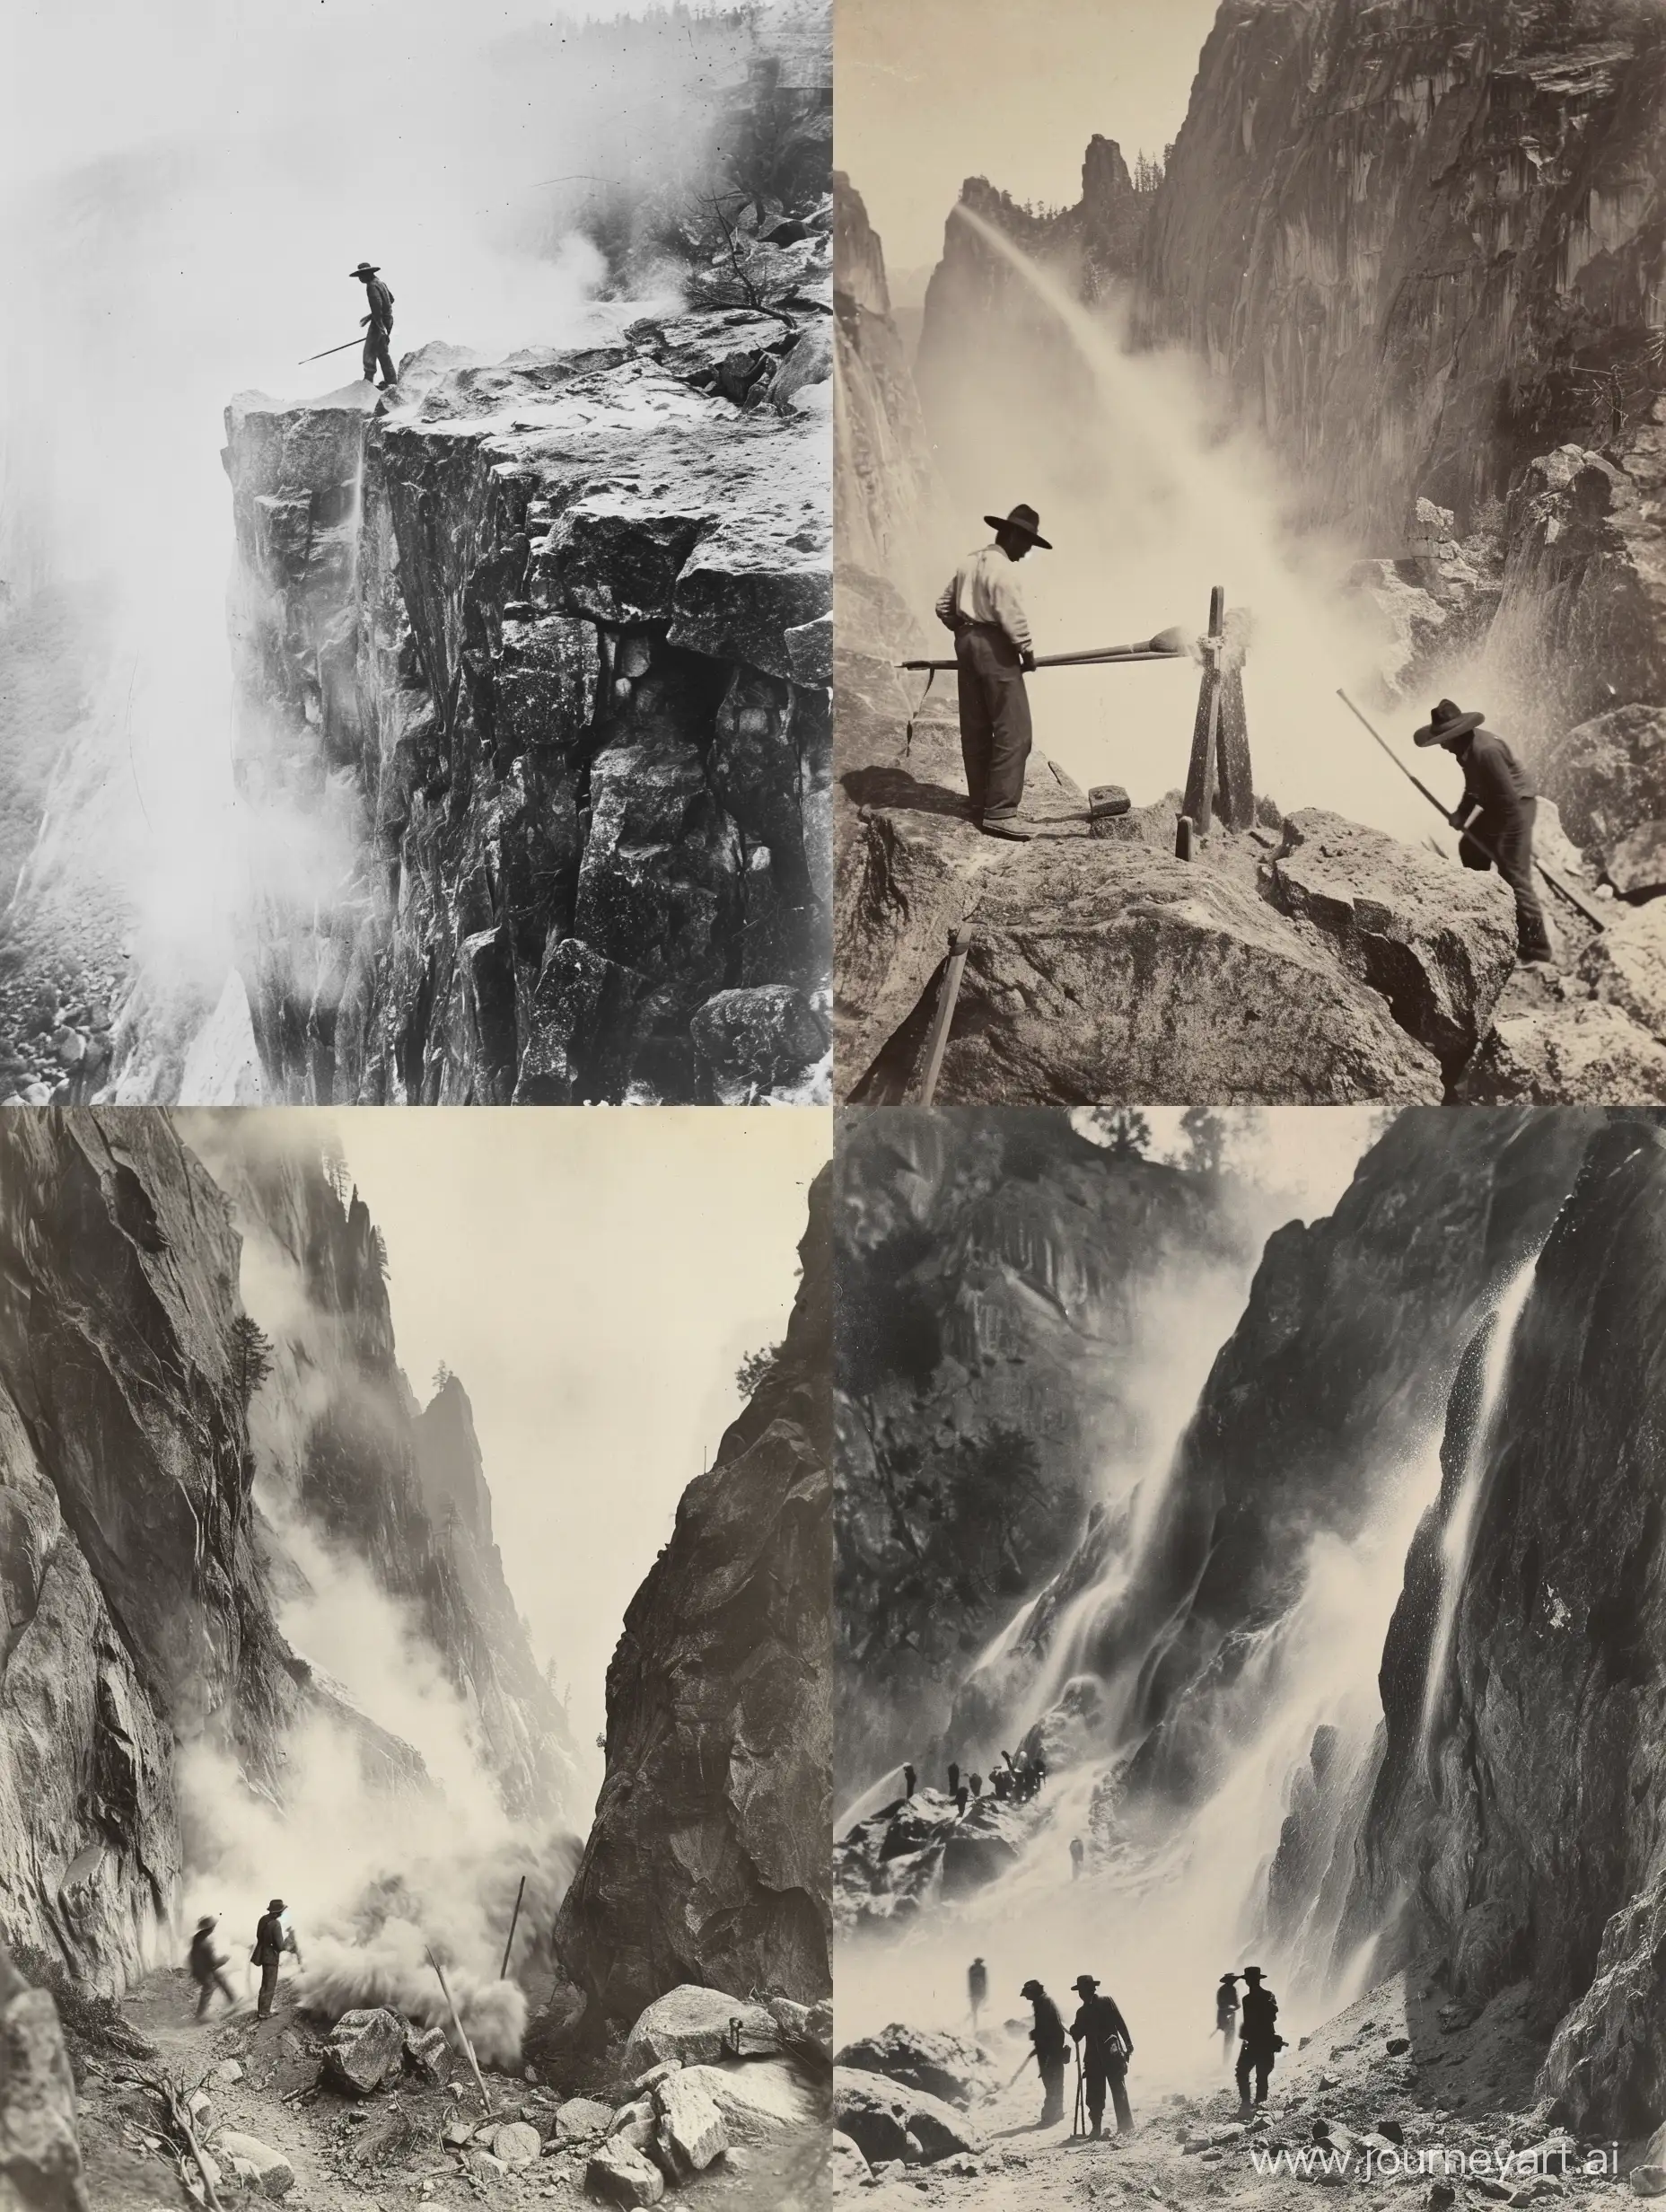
point(942, 1021)
point(462, 2035)
point(1199, 800)
point(514, 1918)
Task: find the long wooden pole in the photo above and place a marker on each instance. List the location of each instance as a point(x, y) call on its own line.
point(462, 2034)
point(960, 945)
point(514, 1920)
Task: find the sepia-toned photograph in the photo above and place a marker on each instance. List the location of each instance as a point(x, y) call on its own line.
point(1251, 651)
point(415, 1712)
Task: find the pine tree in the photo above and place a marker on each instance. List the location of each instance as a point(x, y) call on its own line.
point(251, 1358)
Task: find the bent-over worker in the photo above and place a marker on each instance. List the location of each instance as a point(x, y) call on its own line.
point(1498, 805)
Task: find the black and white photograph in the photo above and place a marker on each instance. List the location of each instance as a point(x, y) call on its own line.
point(1251, 657)
point(415, 1698)
point(414, 553)
point(1249, 1669)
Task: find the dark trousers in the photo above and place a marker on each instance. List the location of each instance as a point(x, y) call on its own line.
point(206, 1990)
point(1052, 2063)
point(1511, 843)
point(269, 1987)
point(1101, 2072)
point(1255, 2056)
point(994, 720)
point(376, 355)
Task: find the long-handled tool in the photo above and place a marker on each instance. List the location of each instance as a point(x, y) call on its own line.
point(462, 2033)
point(1076, 2129)
point(514, 1922)
point(943, 1019)
point(1171, 645)
point(351, 343)
point(1562, 890)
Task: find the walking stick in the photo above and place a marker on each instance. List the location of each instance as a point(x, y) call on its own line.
point(347, 348)
point(1562, 890)
point(1076, 2128)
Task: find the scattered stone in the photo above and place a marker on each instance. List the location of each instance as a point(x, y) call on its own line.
point(1648, 2181)
point(517, 2144)
point(884, 2117)
point(1442, 2196)
point(1583, 1054)
point(363, 2048)
point(581, 2120)
point(691, 2128)
point(1392, 2131)
point(456, 2133)
point(635, 2124)
point(621, 2176)
point(228, 2071)
point(273, 2176)
point(428, 2054)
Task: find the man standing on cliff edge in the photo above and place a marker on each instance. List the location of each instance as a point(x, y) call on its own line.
point(992, 651)
point(379, 325)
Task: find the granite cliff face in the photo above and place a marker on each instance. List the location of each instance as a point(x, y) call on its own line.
point(998, 1365)
point(141, 1582)
point(532, 671)
point(708, 1861)
point(1519, 1833)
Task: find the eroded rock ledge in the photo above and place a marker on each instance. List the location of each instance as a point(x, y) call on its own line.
point(532, 725)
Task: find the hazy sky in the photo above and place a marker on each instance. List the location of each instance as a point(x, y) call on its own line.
point(594, 1278)
point(932, 92)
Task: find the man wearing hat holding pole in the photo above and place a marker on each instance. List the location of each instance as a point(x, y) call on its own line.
point(1497, 807)
point(1104, 2049)
point(379, 325)
point(991, 651)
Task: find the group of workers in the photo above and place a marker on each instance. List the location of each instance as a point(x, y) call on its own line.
point(274, 1940)
point(983, 607)
point(1013, 1782)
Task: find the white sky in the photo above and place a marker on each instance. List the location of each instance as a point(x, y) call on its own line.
point(932, 91)
point(594, 1278)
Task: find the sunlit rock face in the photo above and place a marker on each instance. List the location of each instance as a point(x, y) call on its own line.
point(708, 1862)
point(532, 721)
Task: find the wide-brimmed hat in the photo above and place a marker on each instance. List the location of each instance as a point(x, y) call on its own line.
point(275, 1904)
point(1032, 1988)
point(206, 1921)
point(1025, 521)
point(366, 268)
point(1226, 1978)
point(1254, 1973)
point(1446, 721)
point(1084, 1981)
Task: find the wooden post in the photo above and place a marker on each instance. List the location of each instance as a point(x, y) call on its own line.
point(1199, 800)
point(1235, 795)
point(942, 1020)
point(514, 1920)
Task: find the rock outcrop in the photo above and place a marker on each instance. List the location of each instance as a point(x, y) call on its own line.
point(707, 1860)
point(994, 1274)
point(1525, 1830)
point(532, 713)
point(40, 2164)
point(882, 484)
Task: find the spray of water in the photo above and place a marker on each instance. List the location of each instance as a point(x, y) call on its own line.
point(1149, 500)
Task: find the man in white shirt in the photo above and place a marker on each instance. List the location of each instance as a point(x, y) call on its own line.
point(991, 651)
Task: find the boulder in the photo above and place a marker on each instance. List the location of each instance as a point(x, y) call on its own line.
point(457, 2134)
point(692, 2132)
point(845, 2162)
point(39, 2155)
point(944, 2066)
point(697, 2026)
point(428, 2054)
point(1626, 966)
point(581, 2120)
point(273, 2176)
point(757, 1040)
point(636, 2123)
point(1608, 777)
point(1436, 940)
point(1577, 1054)
point(517, 2143)
point(759, 2099)
point(363, 2048)
point(619, 2174)
point(886, 2120)
point(1636, 864)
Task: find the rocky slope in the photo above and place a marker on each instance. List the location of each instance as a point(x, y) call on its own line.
point(531, 666)
point(997, 1365)
point(708, 1861)
point(141, 1583)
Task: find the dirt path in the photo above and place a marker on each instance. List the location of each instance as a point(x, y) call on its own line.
point(1349, 2110)
point(352, 2155)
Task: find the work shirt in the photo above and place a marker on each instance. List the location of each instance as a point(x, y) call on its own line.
point(380, 300)
point(270, 1940)
point(1048, 2034)
point(1260, 2018)
point(984, 589)
point(204, 1965)
point(1494, 779)
point(1101, 2026)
